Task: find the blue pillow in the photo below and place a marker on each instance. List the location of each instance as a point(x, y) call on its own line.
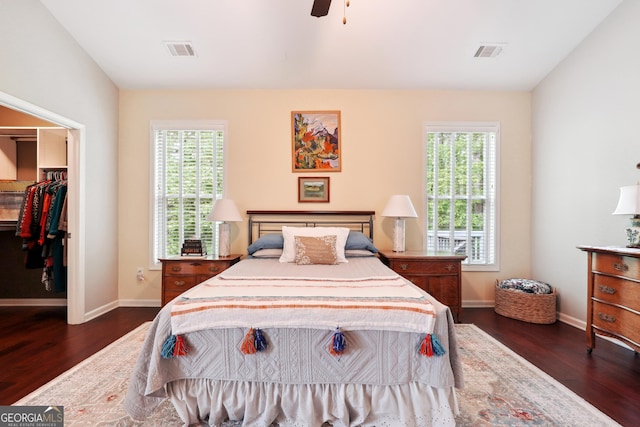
point(268, 241)
point(357, 240)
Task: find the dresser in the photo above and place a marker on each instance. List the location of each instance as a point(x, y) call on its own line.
point(613, 304)
point(439, 275)
point(182, 273)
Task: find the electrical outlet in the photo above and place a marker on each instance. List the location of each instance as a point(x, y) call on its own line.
point(140, 274)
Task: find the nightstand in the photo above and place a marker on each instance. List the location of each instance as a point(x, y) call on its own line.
point(182, 273)
point(439, 275)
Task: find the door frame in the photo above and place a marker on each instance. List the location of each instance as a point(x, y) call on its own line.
point(76, 218)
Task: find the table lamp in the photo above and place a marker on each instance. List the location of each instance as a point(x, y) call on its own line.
point(399, 207)
point(224, 210)
point(629, 204)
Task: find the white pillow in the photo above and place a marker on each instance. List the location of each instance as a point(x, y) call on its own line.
point(289, 233)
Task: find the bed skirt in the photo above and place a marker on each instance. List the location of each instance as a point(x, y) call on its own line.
point(261, 404)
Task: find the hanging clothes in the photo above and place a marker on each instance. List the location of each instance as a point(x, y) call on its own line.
point(42, 226)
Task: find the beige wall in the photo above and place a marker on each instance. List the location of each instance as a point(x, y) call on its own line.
point(381, 155)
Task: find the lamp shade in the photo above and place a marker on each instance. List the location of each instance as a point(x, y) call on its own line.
point(629, 202)
point(399, 206)
point(224, 210)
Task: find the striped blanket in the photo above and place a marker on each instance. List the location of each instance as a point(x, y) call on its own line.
point(263, 293)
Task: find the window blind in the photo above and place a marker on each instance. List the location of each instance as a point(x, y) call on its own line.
point(461, 191)
point(188, 176)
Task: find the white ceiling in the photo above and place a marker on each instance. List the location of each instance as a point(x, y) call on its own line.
point(276, 44)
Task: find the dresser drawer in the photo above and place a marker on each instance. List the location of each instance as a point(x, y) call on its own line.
point(425, 267)
point(445, 289)
point(169, 295)
point(181, 274)
point(194, 268)
point(420, 281)
point(617, 291)
point(180, 283)
point(617, 265)
point(437, 274)
point(616, 320)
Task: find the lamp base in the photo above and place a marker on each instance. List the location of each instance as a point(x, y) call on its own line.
point(633, 232)
point(224, 239)
point(398, 235)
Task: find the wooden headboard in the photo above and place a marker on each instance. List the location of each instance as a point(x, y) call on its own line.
point(269, 222)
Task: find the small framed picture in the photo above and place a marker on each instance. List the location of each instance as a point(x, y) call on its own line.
point(313, 189)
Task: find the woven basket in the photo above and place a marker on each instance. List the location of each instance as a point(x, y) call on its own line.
point(532, 308)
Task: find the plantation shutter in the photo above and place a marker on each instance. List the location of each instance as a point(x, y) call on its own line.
point(461, 191)
point(188, 176)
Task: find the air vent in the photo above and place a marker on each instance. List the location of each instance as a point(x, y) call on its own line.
point(182, 49)
point(489, 50)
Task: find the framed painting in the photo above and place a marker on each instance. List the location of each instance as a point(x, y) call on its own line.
point(313, 189)
point(316, 141)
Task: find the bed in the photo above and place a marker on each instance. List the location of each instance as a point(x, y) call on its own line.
point(310, 329)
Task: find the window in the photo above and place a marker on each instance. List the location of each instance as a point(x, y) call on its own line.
point(461, 164)
point(187, 176)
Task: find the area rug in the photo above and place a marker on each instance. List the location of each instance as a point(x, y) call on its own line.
point(501, 389)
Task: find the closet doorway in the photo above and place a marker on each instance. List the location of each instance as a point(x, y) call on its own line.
point(75, 249)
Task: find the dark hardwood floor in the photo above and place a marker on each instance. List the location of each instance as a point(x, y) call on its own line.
point(608, 378)
point(37, 345)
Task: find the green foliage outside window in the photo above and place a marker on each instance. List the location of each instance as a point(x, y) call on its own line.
point(459, 192)
point(459, 170)
point(189, 175)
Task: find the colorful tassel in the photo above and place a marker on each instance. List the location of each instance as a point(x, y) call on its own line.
point(426, 349)
point(248, 345)
point(260, 340)
point(168, 347)
point(173, 346)
point(438, 349)
point(253, 342)
point(338, 343)
point(180, 349)
point(431, 346)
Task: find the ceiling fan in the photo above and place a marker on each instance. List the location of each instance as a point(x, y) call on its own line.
point(320, 8)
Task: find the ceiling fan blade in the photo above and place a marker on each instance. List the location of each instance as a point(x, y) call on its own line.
point(320, 8)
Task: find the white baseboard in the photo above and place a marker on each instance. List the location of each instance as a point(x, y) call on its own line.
point(572, 321)
point(478, 303)
point(140, 303)
point(36, 302)
point(100, 311)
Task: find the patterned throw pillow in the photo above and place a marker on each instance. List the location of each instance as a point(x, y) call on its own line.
point(316, 250)
point(526, 285)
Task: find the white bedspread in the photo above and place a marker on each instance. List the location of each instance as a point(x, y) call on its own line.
point(261, 293)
